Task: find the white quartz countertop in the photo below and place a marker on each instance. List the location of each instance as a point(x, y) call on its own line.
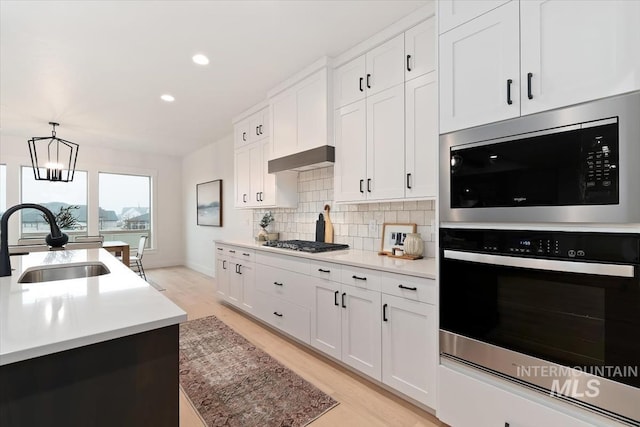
point(425, 267)
point(38, 319)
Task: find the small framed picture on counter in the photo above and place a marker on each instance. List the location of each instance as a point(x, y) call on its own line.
point(209, 203)
point(393, 236)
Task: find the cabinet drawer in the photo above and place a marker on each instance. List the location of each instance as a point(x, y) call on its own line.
point(360, 277)
point(288, 317)
point(298, 265)
point(325, 270)
point(293, 287)
point(410, 287)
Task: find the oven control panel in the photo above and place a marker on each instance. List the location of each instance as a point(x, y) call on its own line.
point(577, 246)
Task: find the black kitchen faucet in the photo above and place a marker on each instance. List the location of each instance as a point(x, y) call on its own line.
point(55, 239)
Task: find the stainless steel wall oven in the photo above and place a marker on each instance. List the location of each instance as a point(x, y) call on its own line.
point(527, 304)
point(579, 164)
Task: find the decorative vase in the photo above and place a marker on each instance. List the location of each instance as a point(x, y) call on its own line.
point(262, 234)
point(413, 244)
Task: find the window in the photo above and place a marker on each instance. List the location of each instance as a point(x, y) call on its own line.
point(124, 207)
point(3, 188)
point(67, 200)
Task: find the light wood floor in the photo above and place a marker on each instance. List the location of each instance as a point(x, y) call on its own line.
point(362, 403)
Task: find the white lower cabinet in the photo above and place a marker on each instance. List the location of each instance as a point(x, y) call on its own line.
point(465, 401)
point(338, 309)
point(361, 339)
point(235, 279)
point(409, 354)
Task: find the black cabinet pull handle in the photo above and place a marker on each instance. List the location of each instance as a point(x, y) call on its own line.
point(409, 181)
point(506, 424)
point(369, 185)
point(509, 101)
point(238, 266)
point(361, 181)
point(257, 197)
point(358, 278)
point(335, 298)
point(324, 271)
point(407, 288)
point(260, 129)
point(277, 283)
point(257, 133)
point(408, 62)
point(361, 89)
point(244, 136)
point(529, 77)
point(219, 249)
point(384, 313)
point(224, 264)
point(277, 314)
point(344, 294)
point(261, 199)
point(232, 251)
point(369, 81)
point(245, 254)
point(244, 198)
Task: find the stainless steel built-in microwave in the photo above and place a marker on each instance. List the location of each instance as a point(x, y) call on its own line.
point(579, 164)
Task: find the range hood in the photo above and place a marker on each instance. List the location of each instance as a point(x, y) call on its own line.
point(315, 158)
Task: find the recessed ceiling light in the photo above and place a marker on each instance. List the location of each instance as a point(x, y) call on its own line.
point(167, 98)
point(200, 59)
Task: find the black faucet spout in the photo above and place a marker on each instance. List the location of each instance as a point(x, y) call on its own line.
point(56, 238)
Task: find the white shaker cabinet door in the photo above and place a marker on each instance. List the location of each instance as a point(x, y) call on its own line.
point(361, 338)
point(385, 145)
point(326, 318)
point(242, 173)
point(256, 167)
point(284, 123)
point(385, 66)
point(480, 69)
point(421, 145)
point(409, 348)
point(222, 276)
point(420, 49)
point(572, 54)
point(452, 13)
point(351, 145)
point(348, 82)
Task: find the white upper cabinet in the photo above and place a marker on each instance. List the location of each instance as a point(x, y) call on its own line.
point(452, 13)
point(254, 187)
point(350, 168)
point(348, 82)
point(420, 49)
point(421, 137)
point(480, 70)
point(577, 55)
point(300, 117)
point(531, 56)
point(385, 66)
point(385, 144)
point(377, 70)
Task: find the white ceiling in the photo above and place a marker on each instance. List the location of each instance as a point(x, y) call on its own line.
point(99, 67)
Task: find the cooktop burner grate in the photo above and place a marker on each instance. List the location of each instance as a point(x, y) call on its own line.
point(305, 245)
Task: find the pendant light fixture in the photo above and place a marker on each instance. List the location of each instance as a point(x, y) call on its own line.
point(53, 158)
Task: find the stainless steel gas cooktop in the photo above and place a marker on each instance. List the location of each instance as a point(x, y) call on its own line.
point(305, 245)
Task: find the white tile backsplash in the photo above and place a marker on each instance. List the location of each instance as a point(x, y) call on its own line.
point(350, 222)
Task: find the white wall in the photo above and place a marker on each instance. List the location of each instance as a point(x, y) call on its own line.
point(215, 161)
point(167, 175)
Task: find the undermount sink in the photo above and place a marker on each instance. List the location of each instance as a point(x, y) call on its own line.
point(51, 273)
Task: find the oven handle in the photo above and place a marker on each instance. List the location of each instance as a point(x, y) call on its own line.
point(617, 270)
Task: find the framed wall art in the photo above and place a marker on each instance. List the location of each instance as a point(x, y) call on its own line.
point(209, 203)
point(393, 236)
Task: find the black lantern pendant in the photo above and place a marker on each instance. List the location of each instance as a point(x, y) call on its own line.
point(52, 158)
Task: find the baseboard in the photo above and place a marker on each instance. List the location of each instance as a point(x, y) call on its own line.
point(200, 268)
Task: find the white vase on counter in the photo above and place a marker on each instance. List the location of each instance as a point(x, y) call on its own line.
point(413, 244)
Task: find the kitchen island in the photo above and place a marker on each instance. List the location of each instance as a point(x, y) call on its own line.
point(98, 350)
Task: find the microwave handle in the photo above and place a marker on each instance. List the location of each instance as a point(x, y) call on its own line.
point(617, 270)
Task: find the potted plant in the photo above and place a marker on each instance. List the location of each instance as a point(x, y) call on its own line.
point(264, 223)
